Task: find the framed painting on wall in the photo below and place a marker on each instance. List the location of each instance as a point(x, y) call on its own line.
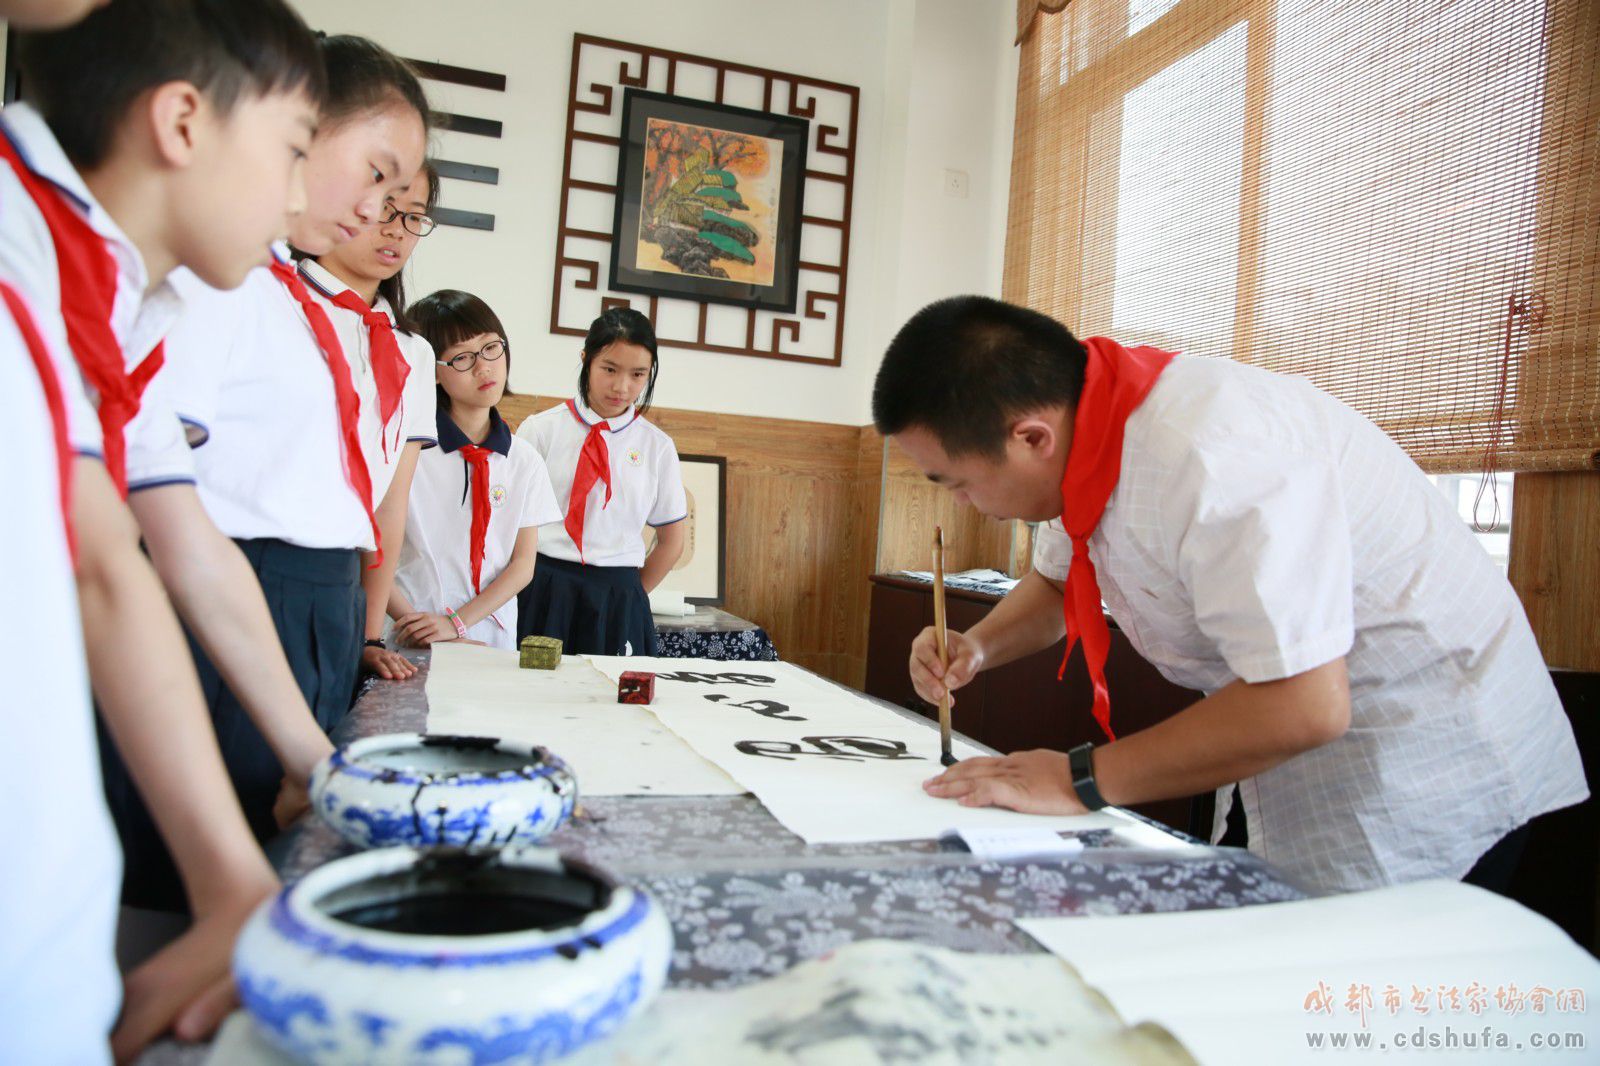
point(708, 202)
point(701, 572)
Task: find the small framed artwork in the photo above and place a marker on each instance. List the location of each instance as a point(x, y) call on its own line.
point(708, 202)
point(701, 573)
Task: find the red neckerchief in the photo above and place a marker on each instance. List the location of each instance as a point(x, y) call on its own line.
point(594, 464)
point(477, 460)
point(88, 284)
point(51, 385)
point(1115, 382)
point(356, 474)
point(389, 366)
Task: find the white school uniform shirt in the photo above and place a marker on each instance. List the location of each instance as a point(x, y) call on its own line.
point(646, 483)
point(156, 446)
point(1259, 529)
point(245, 366)
point(415, 418)
point(59, 988)
point(436, 562)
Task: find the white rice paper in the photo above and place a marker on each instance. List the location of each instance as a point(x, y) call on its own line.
point(1260, 984)
point(832, 766)
point(614, 749)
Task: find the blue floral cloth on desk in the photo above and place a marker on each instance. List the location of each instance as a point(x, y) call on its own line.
point(746, 644)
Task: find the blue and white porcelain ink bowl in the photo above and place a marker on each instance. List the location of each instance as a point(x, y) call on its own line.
point(413, 788)
point(450, 955)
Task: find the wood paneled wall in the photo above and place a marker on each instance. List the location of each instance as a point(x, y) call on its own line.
point(1555, 564)
point(912, 506)
point(802, 514)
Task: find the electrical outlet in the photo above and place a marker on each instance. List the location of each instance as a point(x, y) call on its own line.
point(956, 183)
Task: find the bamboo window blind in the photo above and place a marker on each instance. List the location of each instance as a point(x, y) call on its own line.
point(1397, 199)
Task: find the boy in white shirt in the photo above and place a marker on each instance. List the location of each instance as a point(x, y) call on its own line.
point(293, 477)
point(185, 126)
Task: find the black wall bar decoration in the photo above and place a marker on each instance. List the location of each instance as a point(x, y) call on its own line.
point(469, 124)
point(482, 127)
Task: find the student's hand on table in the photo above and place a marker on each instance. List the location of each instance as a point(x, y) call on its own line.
point(419, 629)
point(293, 801)
point(311, 748)
point(186, 987)
point(1033, 782)
point(389, 665)
point(928, 677)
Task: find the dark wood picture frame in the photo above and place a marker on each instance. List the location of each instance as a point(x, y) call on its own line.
point(580, 289)
point(638, 109)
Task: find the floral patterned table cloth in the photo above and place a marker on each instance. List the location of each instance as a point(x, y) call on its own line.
point(748, 899)
point(712, 633)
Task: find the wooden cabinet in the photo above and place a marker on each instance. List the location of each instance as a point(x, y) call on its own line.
point(1021, 705)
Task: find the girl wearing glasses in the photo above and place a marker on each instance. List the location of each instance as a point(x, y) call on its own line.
point(359, 285)
point(478, 499)
point(615, 473)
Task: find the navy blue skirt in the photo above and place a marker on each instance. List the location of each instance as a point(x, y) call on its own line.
point(319, 609)
point(593, 610)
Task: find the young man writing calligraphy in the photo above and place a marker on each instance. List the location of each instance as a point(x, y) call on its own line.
point(1372, 684)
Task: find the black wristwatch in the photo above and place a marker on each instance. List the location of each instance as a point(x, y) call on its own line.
point(1080, 762)
point(376, 642)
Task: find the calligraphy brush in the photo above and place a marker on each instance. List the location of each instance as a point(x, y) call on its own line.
point(944, 647)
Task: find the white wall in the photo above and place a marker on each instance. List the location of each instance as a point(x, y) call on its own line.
point(961, 95)
point(936, 78)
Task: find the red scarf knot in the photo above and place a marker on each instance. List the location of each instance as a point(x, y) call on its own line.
point(87, 274)
point(594, 464)
point(389, 366)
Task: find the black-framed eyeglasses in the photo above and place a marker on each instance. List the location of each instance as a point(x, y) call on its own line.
point(414, 221)
point(465, 361)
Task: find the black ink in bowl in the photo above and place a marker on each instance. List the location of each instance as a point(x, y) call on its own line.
point(457, 892)
point(445, 756)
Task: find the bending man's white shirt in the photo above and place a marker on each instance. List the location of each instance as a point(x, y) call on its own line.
point(1260, 529)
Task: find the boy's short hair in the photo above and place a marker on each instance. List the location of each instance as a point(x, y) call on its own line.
point(83, 79)
point(965, 366)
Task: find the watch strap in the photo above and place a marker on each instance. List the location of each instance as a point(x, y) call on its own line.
point(1080, 762)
